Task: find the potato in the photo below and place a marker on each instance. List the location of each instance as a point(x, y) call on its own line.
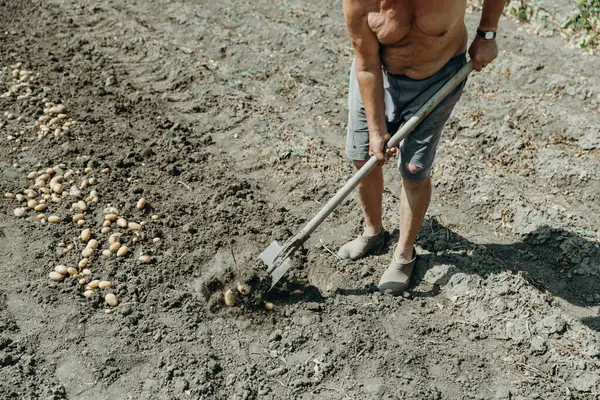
point(105, 230)
point(86, 235)
point(54, 219)
point(141, 204)
point(78, 217)
point(93, 284)
point(40, 207)
point(72, 271)
point(55, 276)
point(104, 284)
point(122, 222)
point(87, 252)
point(122, 251)
point(61, 269)
point(111, 300)
point(20, 212)
point(243, 289)
point(145, 259)
point(269, 306)
point(134, 226)
point(93, 244)
point(88, 293)
point(115, 246)
point(111, 217)
point(229, 298)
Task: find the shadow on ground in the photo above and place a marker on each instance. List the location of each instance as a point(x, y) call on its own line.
point(558, 262)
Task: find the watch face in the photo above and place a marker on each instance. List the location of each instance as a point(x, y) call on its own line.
point(489, 35)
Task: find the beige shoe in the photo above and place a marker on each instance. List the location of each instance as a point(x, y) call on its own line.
point(396, 277)
point(362, 245)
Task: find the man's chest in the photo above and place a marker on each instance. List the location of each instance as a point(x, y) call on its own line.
point(403, 19)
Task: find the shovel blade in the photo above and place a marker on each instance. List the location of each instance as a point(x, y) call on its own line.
point(268, 257)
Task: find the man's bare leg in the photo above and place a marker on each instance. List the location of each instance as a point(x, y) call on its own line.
point(370, 194)
point(414, 201)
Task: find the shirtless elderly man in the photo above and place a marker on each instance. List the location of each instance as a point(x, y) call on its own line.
point(405, 50)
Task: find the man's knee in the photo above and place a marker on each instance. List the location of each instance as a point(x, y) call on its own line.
point(413, 169)
point(414, 173)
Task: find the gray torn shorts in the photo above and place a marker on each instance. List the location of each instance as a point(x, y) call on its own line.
point(403, 96)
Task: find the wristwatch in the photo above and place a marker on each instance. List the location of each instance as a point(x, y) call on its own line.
point(487, 35)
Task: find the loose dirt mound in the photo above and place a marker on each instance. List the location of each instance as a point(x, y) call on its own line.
point(228, 118)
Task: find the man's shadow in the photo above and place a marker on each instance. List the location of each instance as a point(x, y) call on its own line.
point(564, 264)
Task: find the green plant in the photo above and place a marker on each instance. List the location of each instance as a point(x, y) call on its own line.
point(583, 25)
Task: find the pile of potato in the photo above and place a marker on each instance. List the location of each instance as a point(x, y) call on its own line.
point(55, 120)
point(52, 187)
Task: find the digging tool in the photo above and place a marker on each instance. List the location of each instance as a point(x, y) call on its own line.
point(277, 257)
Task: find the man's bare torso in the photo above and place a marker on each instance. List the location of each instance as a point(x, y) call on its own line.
point(417, 37)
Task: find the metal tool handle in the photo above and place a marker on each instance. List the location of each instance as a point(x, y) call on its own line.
point(402, 133)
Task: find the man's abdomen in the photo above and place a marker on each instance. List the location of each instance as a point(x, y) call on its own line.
point(421, 56)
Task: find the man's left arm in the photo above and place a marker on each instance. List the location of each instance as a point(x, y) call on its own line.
point(484, 51)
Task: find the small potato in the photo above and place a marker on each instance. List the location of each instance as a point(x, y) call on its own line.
point(55, 276)
point(72, 271)
point(32, 175)
point(20, 212)
point(58, 188)
point(81, 222)
point(40, 207)
point(41, 216)
point(92, 181)
point(78, 217)
point(156, 240)
point(106, 230)
point(88, 170)
point(61, 269)
point(31, 194)
point(54, 219)
point(68, 174)
point(104, 284)
point(115, 246)
point(82, 205)
point(9, 195)
point(106, 224)
point(269, 306)
point(122, 251)
point(111, 300)
point(86, 235)
point(93, 244)
point(141, 204)
point(145, 259)
point(122, 222)
point(243, 289)
point(114, 238)
point(32, 203)
point(87, 252)
point(88, 293)
point(107, 253)
point(105, 171)
point(155, 217)
point(82, 281)
point(19, 197)
point(134, 226)
point(93, 284)
point(86, 272)
point(229, 298)
point(111, 217)
point(83, 263)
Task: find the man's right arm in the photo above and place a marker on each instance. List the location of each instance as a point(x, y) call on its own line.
point(368, 74)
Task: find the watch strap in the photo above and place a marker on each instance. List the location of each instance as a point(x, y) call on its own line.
point(486, 34)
